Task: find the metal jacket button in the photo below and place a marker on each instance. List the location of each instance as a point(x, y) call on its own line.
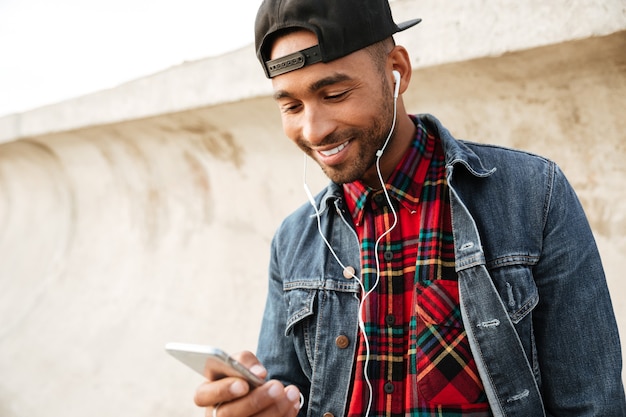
point(348, 272)
point(342, 341)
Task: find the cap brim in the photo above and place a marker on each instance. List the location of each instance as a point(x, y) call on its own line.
point(409, 23)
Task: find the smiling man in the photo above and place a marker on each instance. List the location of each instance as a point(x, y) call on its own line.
point(432, 276)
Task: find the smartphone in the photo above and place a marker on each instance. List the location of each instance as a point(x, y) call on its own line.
point(211, 362)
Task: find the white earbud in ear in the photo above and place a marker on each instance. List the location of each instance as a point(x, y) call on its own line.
point(396, 76)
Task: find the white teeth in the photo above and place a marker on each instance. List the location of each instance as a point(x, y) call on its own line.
point(334, 150)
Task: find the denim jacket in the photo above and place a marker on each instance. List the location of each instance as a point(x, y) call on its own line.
point(533, 295)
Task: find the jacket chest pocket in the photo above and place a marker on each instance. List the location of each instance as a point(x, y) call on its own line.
point(517, 289)
point(300, 307)
point(519, 294)
point(317, 313)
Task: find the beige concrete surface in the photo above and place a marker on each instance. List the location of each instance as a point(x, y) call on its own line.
point(449, 32)
point(121, 233)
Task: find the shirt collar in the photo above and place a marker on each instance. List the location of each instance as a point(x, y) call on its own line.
point(405, 182)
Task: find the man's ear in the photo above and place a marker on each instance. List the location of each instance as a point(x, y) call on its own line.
point(398, 60)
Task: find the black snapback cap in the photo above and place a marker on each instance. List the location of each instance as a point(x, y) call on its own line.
point(341, 26)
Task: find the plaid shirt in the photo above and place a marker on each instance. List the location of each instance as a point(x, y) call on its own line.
point(420, 361)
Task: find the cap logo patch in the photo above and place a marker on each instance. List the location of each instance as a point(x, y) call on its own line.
point(293, 61)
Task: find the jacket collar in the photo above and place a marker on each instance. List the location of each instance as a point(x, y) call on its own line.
point(456, 151)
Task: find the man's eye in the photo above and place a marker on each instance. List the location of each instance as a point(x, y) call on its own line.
point(290, 108)
point(337, 96)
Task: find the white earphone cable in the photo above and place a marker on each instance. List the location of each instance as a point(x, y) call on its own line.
point(364, 294)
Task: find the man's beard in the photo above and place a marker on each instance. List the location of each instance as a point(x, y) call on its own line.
point(369, 140)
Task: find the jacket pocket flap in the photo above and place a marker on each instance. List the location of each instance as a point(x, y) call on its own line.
point(517, 289)
point(300, 305)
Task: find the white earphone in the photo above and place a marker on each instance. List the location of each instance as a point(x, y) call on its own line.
point(396, 76)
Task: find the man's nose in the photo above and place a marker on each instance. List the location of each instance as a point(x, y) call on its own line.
point(317, 125)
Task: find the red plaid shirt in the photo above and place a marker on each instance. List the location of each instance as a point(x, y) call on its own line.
point(420, 361)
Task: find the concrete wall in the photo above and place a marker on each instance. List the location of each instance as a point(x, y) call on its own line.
point(143, 214)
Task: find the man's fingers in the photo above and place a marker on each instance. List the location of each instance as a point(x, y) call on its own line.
point(250, 361)
point(214, 392)
point(270, 400)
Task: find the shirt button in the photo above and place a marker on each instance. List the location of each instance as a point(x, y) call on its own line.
point(342, 341)
point(348, 272)
point(388, 255)
point(390, 319)
point(380, 199)
point(389, 388)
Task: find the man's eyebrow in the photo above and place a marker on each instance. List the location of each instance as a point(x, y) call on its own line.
point(330, 80)
point(281, 94)
point(316, 86)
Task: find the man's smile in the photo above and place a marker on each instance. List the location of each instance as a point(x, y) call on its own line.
point(336, 150)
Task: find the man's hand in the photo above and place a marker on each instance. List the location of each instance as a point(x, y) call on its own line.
point(233, 398)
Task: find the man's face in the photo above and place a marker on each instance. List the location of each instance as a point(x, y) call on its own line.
point(339, 113)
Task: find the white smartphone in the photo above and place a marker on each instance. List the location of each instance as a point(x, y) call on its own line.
point(211, 362)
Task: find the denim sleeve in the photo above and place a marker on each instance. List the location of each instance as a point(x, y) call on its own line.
point(577, 340)
point(276, 350)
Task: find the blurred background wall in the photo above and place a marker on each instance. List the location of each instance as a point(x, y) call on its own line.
point(143, 214)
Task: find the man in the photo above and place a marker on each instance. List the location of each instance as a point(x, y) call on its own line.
point(432, 276)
